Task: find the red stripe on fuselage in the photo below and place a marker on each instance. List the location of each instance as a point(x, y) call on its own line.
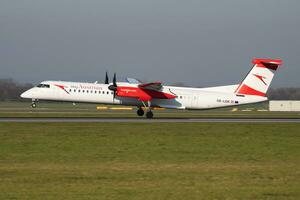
point(62, 87)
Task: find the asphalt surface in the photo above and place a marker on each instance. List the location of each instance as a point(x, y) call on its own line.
point(221, 120)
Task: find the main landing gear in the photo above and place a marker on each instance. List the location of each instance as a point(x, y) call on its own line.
point(140, 112)
point(149, 113)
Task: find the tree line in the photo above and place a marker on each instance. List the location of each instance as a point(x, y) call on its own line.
point(10, 90)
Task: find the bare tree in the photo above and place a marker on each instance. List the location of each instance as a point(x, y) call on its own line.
point(11, 90)
point(284, 94)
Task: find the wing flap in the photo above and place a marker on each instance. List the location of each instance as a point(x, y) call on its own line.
point(151, 86)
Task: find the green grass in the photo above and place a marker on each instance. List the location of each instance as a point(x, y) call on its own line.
point(149, 161)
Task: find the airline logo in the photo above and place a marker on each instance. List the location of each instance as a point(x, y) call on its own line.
point(260, 78)
point(126, 90)
point(62, 87)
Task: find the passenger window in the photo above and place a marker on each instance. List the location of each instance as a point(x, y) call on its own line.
point(83, 91)
point(103, 92)
point(74, 90)
point(107, 92)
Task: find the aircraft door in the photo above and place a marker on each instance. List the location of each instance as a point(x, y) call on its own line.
point(194, 101)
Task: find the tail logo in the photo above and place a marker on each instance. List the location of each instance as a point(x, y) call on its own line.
point(260, 78)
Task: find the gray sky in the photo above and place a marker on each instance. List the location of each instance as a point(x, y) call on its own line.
point(200, 43)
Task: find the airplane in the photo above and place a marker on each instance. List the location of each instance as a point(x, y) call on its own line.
point(251, 89)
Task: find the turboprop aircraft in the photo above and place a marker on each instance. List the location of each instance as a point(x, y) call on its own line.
point(251, 89)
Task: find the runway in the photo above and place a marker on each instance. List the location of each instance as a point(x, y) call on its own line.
point(157, 120)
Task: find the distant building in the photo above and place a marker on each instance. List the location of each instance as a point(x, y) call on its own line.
point(284, 105)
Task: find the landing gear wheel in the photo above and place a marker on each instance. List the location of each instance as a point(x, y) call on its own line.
point(149, 114)
point(33, 105)
point(140, 112)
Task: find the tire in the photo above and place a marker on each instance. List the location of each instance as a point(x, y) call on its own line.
point(140, 112)
point(149, 115)
point(33, 105)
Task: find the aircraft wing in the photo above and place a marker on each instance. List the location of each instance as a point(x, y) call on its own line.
point(151, 86)
point(133, 80)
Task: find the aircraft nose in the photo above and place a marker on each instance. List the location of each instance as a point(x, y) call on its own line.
point(26, 94)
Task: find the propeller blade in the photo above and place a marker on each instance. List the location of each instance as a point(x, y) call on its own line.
point(115, 80)
point(114, 86)
point(106, 79)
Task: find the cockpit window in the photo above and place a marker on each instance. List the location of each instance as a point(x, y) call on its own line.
point(43, 86)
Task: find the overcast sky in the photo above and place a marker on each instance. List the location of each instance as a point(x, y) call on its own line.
point(199, 43)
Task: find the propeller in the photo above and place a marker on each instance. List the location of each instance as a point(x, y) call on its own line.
point(106, 79)
point(114, 86)
point(115, 80)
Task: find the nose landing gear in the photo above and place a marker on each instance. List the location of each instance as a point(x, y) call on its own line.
point(34, 103)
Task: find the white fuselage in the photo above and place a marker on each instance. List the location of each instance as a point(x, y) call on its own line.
point(186, 98)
